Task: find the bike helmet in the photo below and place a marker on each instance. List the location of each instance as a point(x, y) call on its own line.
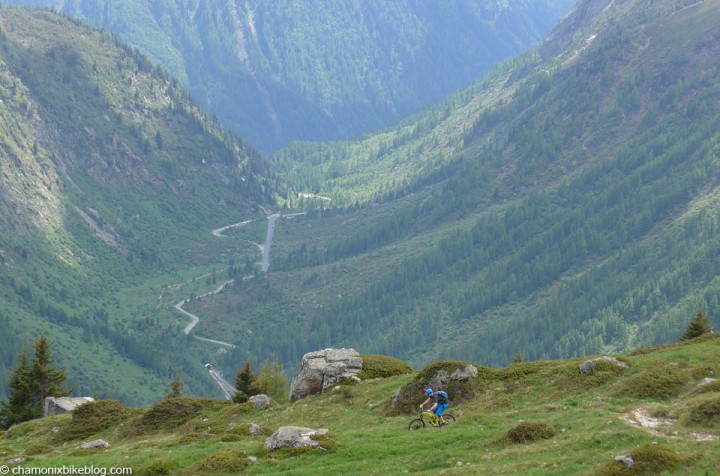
point(428, 392)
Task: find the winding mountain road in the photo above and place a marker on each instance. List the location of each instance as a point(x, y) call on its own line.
point(265, 249)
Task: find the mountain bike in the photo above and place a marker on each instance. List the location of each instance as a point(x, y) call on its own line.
point(432, 420)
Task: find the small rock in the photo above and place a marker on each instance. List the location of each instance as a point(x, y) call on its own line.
point(95, 445)
point(626, 460)
point(293, 437)
point(16, 460)
point(252, 459)
point(706, 381)
point(55, 429)
point(254, 429)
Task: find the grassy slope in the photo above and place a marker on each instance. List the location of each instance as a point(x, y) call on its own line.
point(586, 413)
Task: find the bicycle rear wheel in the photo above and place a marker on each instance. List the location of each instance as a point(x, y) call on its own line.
point(416, 424)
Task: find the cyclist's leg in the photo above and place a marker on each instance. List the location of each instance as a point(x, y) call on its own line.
point(440, 410)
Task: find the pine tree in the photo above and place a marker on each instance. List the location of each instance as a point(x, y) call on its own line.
point(175, 387)
point(244, 381)
point(19, 407)
point(698, 326)
point(45, 379)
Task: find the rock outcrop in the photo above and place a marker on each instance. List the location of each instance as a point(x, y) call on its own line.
point(55, 406)
point(588, 367)
point(321, 369)
point(293, 437)
point(442, 377)
point(260, 402)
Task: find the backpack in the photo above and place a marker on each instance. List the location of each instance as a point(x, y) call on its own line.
point(443, 396)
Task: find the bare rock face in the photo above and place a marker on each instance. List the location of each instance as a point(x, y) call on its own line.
point(581, 16)
point(293, 437)
point(55, 406)
point(321, 369)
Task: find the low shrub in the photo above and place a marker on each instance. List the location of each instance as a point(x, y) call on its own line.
point(173, 412)
point(520, 370)
point(707, 411)
point(380, 366)
point(157, 467)
point(230, 437)
point(38, 448)
point(660, 381)
point(710, 387)
point(527, 432)
point(647, 459)
point(92, 418)
point(227, 460)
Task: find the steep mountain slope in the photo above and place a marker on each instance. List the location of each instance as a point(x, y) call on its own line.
point(576, 212)
point(287, 70)
point(109, 174)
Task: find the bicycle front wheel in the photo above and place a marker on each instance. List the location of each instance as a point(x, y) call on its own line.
point(416, 424)
point(448, 418)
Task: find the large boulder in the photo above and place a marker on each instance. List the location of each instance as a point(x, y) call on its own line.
point(260, 402)
point(324, 368)
point(293, 437)
point(55, 406)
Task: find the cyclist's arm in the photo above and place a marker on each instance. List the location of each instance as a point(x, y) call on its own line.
point(422, 405)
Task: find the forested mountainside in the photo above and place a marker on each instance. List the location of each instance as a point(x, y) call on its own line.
point(567, 207)
point(298, 70)
point(109, 175)
point(564, 205)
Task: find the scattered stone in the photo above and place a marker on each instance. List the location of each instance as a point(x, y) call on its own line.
point(588, 367)
point(95, 445)
point(260, 401)
point(324, 368)
point(16, 460)
point(626, 460)
point(294, 437)
point(252, 459)
point(706, 381)
point(55, 429)
point(254, 429)
point(56, 406)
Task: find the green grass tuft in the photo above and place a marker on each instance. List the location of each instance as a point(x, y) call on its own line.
point(38, 448)
point(172, 412)
point(157, 467)
point(227, 460)
point(648, 459)
point(92, 418)
point(659, 381)
point(705, 412)
point(528, 432)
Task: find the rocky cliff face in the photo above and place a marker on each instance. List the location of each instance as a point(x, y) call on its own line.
point(581, 16)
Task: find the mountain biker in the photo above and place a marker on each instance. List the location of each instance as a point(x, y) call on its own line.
point(441, 403)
